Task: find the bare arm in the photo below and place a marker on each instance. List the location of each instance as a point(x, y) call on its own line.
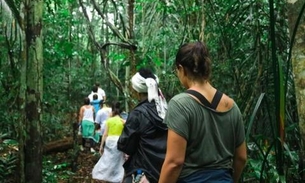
point(239, 161)
point(174, 159)
point(94, 115)
point(81, 114)
point(104, 98)
point(105, 135)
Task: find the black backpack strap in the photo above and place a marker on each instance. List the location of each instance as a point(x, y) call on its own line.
point(216, 99)
point(200, 97)
point(204, 101)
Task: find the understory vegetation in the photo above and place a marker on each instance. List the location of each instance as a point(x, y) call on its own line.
point(88, 41)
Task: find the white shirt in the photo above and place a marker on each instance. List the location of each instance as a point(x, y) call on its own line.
point(101, 116)
point(99, 96)
point(88, 114)
point(101, 92)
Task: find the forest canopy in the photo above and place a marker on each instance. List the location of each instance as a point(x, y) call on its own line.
point(53, 52)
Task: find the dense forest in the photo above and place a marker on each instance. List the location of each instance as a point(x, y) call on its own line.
point(53, 51)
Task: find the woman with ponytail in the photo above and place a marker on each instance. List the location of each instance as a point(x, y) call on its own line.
point(206, 137)
point(110, 165)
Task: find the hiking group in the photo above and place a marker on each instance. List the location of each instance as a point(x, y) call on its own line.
point(197, 137)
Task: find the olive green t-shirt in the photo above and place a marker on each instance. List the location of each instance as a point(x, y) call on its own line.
point(211, 136)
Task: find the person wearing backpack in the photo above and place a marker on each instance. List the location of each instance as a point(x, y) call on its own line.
point(144, 135)
point(206, 135)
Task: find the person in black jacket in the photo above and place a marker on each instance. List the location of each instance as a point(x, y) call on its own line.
point(144, 135)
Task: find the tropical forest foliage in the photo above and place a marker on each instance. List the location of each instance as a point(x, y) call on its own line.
point(75, 43)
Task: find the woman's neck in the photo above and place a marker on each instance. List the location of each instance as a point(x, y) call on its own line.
point(143, 96)
point(204, 87)
point(199, 85)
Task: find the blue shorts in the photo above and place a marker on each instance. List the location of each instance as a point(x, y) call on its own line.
point(209, 176)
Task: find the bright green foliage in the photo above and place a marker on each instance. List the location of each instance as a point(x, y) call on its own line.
point(237, 33)
point(54, 172)
point(8, 166)
point(8, 157)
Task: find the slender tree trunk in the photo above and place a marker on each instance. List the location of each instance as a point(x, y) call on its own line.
point(202, 28)
point(298, 59)
point(132, 58)
point(22, 97)
point(131, 35)
point(34, 61)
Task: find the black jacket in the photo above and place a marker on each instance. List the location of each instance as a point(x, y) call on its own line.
point(144, 139)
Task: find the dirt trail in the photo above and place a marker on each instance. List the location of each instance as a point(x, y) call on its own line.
point(83, 166)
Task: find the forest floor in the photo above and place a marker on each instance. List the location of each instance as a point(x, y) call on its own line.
point(78, 164)
point(78, 171)
point(67, 166)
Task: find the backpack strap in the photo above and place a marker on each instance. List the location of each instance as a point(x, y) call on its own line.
point(200, 97)
point(204, 101)
point(216, 99)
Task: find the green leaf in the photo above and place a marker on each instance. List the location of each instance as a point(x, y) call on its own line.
point(10, 142)
point(258, 104)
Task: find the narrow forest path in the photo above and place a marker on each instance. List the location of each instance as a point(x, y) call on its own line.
point(83, 165)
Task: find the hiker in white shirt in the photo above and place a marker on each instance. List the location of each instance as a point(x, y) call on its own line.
point(95, 91)
point(100, 91)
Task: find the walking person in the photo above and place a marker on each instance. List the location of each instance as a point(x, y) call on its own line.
point(144, 135)
point(206, 138)
point(102, 115)
point(95, 103)
point(110, 165)
point(86, 121)
point(94, 92)
point(100, 91)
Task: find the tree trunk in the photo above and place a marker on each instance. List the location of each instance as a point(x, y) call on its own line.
point(61, 145)
point(298, 59)
point(132, 58)
point(22, 97)
point(33, 94)
point(203, 23)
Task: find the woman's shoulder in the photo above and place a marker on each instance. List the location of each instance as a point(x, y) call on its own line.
point(85, 107)
point(181, 97)
point(143, 105)
point(142, 110)
point(113, 119)
point(225, 104)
